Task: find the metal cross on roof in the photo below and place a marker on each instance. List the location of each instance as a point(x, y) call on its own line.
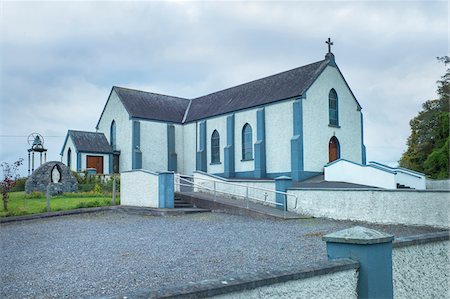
point(330, 43)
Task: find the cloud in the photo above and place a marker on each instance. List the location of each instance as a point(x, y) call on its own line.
point(59, 60)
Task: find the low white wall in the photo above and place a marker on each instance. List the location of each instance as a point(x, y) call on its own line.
point(139, 188)
point(334, 285)
point(345, 171)
point(409, 207)
point(438, 184)
point(237, 187)
point(422, 271)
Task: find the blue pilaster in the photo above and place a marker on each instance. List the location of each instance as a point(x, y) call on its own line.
point(110, 163)
point(363, 147)
point(260, 144)
point(373, 251)
point(201, 153)
point(136, 154)
point(297, 167)
point(282, 184)
point(165, 190)
point(171, 153)
point(229, 149)
point(78, 161)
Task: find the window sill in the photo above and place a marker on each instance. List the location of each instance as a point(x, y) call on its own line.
point(216, 163)
point(334, 126)
point(244, 160)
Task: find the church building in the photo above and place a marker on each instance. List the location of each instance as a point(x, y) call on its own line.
point(292, 123)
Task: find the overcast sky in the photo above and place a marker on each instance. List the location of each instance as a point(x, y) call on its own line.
point(58, 61)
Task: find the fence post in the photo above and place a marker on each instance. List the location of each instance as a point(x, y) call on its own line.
point(282, 184)
point(373, 250)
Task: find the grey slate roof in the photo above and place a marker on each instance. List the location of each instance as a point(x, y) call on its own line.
point(277, 87)
point(147, 105)
point(90, 142)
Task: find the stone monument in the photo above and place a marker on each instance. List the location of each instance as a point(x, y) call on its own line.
point(54, 175)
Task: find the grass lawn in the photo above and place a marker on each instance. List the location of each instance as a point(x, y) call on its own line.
point(20, 203)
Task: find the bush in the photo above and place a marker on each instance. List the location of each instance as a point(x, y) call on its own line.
point(86, 187)
point(35, 195)
point(20, 185)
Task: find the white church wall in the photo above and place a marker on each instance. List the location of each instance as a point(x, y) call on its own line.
point(408, 207)
point(279, 131)
point(189, 148)
point(154, 145)
point(316, 129)
point(179, 148)
point(219, 124)
point(83, 164)
point(73, 160)
point(114, 110)
point(240, 119)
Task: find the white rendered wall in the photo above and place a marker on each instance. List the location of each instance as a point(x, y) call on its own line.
point(73, 161)
point(333, 285)
point(421, 270)
point(139, 188)
point(114, 110)
point(279, 131)
point(189, 148)
point(105, 161)
point(317, 133)
point(344, 171)
point(219, 124)
point(154, 145)
point(410, 180)
point(240, 119)
point(179, 148)
point(409, 207)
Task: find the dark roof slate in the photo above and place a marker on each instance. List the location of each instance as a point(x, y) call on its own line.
point(277, 87)
point(147, 105)
point(90, 142)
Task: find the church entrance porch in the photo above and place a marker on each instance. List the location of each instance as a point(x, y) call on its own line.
point(95, 162)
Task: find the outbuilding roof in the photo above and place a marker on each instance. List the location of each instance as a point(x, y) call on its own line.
point(89, 142)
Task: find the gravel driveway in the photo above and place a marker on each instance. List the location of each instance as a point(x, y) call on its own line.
point(109, 253)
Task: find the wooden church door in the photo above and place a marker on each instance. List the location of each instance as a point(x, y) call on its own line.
point(95, 162)
point(333, 149)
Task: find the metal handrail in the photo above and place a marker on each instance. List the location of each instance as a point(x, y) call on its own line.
point(192, 184)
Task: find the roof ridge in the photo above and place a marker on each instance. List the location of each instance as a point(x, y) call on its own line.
point(277, 74)
point(158, 94)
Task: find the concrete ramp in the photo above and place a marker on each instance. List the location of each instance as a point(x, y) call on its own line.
point(236, 206)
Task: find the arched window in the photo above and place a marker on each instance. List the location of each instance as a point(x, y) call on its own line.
point(247, 144)
point(69, 157)
point(215, 147)
point(112, 136)
point(334, 149)
point(333, 108)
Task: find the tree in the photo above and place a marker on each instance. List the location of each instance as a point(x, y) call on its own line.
point(428, 143)
point(10, 174)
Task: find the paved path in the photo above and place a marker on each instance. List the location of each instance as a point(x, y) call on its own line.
point(107, 253)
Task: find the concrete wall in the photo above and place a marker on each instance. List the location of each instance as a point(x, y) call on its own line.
point(105, 161)
point(334, 285)
point(409, 207)
point(317, 132)
point(436, 184)
point(345, 171)
point(114, 110)
point(139, 188)
point(421, 270)
point(153, 145)
point(69, 144)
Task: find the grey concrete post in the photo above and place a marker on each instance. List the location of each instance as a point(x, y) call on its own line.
point(282, 184)
point(373, 250)
point(114, 191)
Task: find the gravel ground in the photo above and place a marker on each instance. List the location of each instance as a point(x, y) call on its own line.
point(107, 253)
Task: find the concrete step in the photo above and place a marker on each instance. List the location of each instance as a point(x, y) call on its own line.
point(236, 206)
